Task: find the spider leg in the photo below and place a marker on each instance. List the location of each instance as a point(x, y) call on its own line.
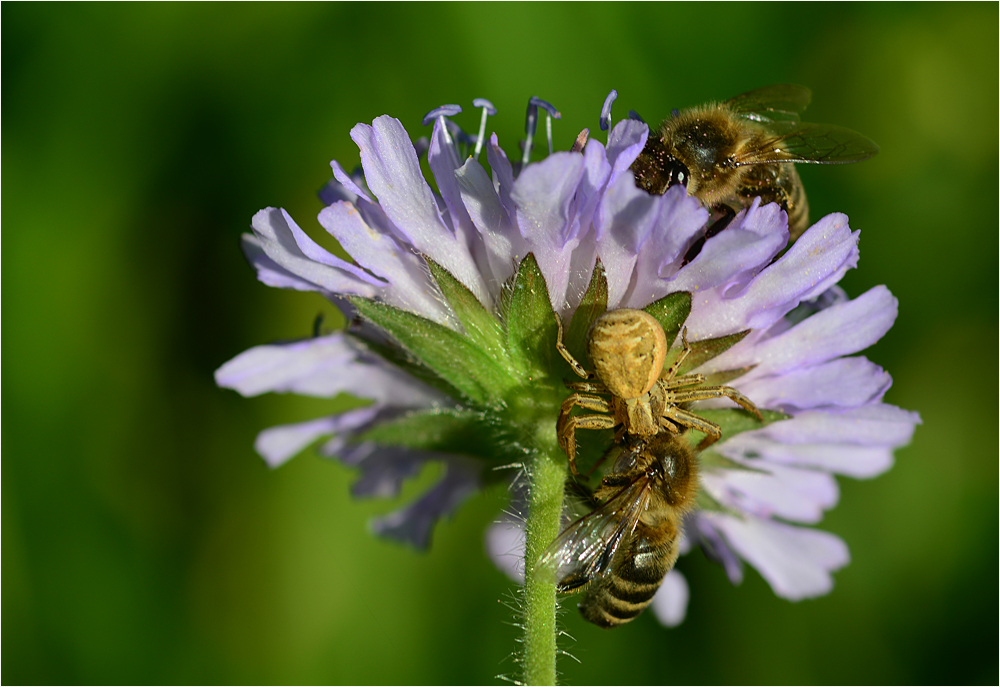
point(707, 392)
point(592, 387)
point(567, 433)
point(669, 373)
point(567, 424)
point(711, 430)
point(682, 381)
point(564, 352)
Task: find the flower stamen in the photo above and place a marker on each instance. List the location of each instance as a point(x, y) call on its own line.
point(606, 110)
point(488, 109)
point(531, 123)
point(441, 113)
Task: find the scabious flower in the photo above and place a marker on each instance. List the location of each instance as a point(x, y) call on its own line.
point(451, 299)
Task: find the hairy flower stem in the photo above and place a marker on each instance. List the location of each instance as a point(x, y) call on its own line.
point(547, 477)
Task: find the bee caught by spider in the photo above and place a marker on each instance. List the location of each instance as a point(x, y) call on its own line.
point(620, 552)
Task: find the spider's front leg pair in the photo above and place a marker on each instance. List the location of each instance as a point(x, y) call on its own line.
point(672, 391)
point(584, 398)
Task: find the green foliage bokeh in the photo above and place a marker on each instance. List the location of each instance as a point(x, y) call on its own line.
point(143, 539)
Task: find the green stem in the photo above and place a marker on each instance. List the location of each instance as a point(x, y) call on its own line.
point(546, 480)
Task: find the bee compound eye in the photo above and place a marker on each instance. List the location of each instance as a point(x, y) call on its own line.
point(677, 172)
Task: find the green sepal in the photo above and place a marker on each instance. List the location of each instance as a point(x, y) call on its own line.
point(671, 311)
point(711, 461)
point(531, 322)
point(705, 501)
point(449, 354)
point(405, 361)
point(733, 421)
point(593, 305)
point(706, 349)
point(481, 326)
point(725, 376)
point(446, 430)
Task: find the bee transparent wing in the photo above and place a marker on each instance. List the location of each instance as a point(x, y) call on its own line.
point(781, 102)
point(587, 547)
point(823, 144)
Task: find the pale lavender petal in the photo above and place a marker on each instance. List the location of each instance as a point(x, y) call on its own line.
point(384, 469)
point(819, 258)
point(795, 561)
point(288, 246)
point(878, 424)
point(842, 329)
point(786, 492)
point(323, 367)
point(678, 219)
point(393, 174)
point(505, 547)
point(714, 545)
point(845, 382)
point(815, 262)
point(276, 445)
point(271, 273)
point(853, 460)
point(543, 193)
point(410, 285)
point(413, 523)
point(596, 171)
point(503, 175)
point(505, 247)
point(737, 254)
point(444, 163)
point(625, 142)
point(333, 191)
point(581, 269)
point(671, 600)
point(348, 183)
point(623, 219)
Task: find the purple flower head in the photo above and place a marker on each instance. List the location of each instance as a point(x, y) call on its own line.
point(451, 295)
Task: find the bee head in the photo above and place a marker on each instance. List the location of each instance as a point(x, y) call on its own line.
point(676, 172)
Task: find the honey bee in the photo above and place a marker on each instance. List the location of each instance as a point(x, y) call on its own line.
point(726, 154)
point(628, 349)
point(619, 553)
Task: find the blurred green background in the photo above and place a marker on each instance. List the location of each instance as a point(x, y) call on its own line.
point(143, 539)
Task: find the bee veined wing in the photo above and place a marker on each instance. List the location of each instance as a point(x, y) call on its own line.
point(781, 102)
point(823, 144)
point(587, 547)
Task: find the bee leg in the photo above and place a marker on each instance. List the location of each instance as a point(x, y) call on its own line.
point(714, 228)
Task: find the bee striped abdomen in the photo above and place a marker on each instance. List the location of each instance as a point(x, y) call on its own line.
point(627, 590)
point(797, 205)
